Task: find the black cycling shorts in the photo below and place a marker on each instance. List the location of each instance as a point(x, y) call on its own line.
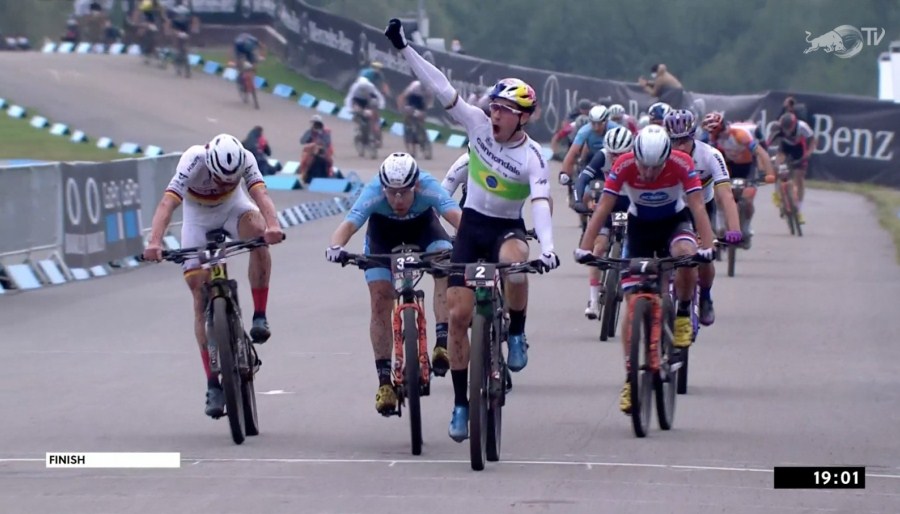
point(744, 171)
point(653, 238)
point(480, 237)
point(416, 102)
point(384, 234)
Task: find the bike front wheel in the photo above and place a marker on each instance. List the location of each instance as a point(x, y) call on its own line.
point(231, 376)
point(639, 376)
point(479, 370)
point(412, 377)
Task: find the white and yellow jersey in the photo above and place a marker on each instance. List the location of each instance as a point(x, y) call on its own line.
point(193, 182)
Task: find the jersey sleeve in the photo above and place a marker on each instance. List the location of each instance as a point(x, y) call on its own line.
point(804, 130)
point(582, 135)
point(437, 196)
point(365, 205)
point(744, 138)
point(615, 179)
point(457, 174)
point(687, 172)
point(465, 114)
point(252, 176)
point(191, 161)
point(719, 170)
point(538, 173)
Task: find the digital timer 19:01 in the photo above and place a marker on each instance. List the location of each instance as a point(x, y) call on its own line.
point(820, 477)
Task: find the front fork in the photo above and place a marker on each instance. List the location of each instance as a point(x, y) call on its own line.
point(418, 305)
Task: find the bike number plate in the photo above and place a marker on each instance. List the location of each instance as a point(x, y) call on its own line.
point(400, 260)
point(642, 267)
point(480, 275)
point(619, 219)
point(737, 182)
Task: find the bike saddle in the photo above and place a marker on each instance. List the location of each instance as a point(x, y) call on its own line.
point(217, 236)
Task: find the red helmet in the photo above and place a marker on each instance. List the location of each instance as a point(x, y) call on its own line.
point(713, 122)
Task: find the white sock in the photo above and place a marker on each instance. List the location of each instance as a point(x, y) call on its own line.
point(595, 292)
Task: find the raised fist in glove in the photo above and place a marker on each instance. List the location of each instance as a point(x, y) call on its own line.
point(394, 32)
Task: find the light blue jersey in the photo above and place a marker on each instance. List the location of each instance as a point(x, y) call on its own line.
point(429, 195)
point(586, 134)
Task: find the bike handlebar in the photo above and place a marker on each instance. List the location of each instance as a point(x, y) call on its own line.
point(533, 266)
point(637, 265)
point(384, 260)
point(183, 254)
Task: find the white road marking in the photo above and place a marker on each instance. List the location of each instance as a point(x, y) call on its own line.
point(395, 462)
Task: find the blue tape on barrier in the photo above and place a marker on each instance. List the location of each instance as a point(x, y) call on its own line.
point(211, 67)
point(326, 107)
point(105, 142)
point(129, 148)
point(59, 129)
point(83, 48)
point(39, 122)
point(65, 48)
point(194, 59)
point(51, 270)
point(79, 137)
point(345, 114)
point(116, 48)
point(456, 141)
point(329, 185)
point(282, 182)
point(307, 100)
point(23, 276)
point(48, 48)
point(397, 129)
point(433, 135)
point(260, 82)
point(99, 271)
point(283, 90)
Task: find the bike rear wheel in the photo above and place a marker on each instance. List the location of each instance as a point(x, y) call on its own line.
point(639, 376)
point(664, 379)
point(412, 377)
point(479, 369)
point(231, 376)
point(248, 392)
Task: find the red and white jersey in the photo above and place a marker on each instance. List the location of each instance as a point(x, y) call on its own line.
point(662, 198)
point(193, 182)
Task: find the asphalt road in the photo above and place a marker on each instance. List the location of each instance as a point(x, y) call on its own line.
point(799, 369)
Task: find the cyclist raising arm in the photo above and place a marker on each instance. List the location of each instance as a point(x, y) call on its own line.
point(208, 181)
point(505, 169)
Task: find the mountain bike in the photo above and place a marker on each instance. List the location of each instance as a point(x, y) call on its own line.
point(180, 58)
point(738, 185)
point(364, 140)
point(411, 376)
point(246, 82)
point(610, 300)
point(488, 371)
point(789, 199)
point(415, 134)
point(231, 351)
point(654, 363)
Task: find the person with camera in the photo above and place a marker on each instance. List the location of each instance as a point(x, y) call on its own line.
point(317, 158)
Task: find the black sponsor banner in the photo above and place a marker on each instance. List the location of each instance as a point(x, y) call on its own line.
point(855, 137)
point(101, 212)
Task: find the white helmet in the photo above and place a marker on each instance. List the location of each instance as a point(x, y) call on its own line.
point(598, 114)
point(616, 110)
point(398, 171)
point(225, 158)
point(652, 146)
point(618, 140)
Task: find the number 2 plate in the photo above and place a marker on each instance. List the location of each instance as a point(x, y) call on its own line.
point(480, 275)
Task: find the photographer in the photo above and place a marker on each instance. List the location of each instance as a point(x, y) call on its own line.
point(317, 157)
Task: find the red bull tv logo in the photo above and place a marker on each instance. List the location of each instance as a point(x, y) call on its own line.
point(844, 41)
